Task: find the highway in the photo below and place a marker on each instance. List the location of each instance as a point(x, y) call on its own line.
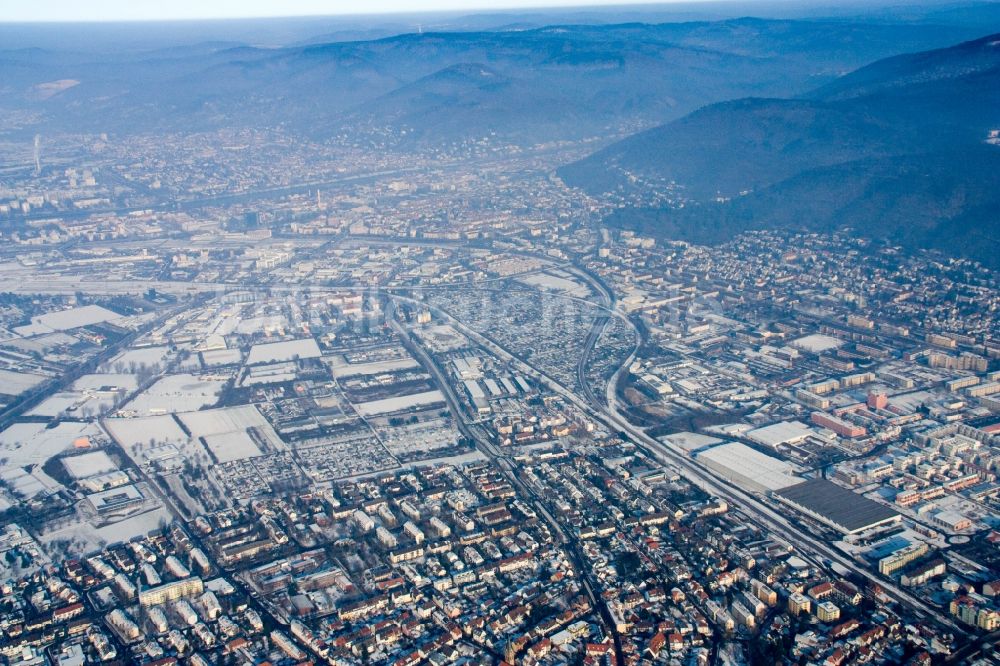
point(765, 515)
point(770, 518)
point(607, 302)
point(503, 463)
point(596, 331)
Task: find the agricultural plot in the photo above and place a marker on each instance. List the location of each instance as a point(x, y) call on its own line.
point(65, 320)
point(131, 360)
point(233, 433)
point(156, 442)
point(28, 483)
point(41, 344)
point(162, 429)
point(59, 403)
point(16, 383)
point(176, 393)
point(89, 464)
point(91, 395)
point(276, 352)
point(26, 444)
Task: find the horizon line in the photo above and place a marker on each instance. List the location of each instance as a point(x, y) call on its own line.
point(485, 7)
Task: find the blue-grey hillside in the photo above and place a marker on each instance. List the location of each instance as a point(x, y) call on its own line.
point(522, 85)
point(896, 150)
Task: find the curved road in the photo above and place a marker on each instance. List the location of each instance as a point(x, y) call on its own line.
point(507, 468)
point(766, 515)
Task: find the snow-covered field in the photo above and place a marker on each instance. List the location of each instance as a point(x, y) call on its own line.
point(135, 526)
point(42, 343)
point(225, 431)
point(108, 381)
point(89, 464)
point(399, 403)
point(24, 447)
point(274, 352)
point(142, 357)
point(91, 394)
point(268, 324)
point(156, 439)
point(88, 538)
point(33, 443)
point(817, 343)
point(176, 393)
point(130, 432)
point(64, 320)
point(232, 446)
point(58, 403)
point(16, 383)
point(28, 484)
point(273, 373)
point(912, 401)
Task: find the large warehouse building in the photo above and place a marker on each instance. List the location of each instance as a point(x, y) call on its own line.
point(786, 432)
point(748, 468)
point(838, 507)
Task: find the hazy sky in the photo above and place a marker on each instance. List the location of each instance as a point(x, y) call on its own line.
point(131, 10)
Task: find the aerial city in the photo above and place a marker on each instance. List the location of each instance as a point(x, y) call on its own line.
point(429, 333)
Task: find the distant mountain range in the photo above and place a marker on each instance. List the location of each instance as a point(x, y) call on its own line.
point(559, 82)
point(896, 150)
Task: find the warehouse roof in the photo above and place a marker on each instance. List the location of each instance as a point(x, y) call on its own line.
point(767, 472)
point(785, 432)
point(848, 510)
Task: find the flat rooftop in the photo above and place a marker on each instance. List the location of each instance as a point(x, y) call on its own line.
point(785, 432)
point(749, 465)
point(851, 511)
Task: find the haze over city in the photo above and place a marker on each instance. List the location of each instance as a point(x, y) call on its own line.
point(431, 333)
point(122, 10)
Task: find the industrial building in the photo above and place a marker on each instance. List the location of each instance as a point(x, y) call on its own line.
point(838, 425)
point(748, 468)
point(838, 507)
point(117, 500)
point(785, 432)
